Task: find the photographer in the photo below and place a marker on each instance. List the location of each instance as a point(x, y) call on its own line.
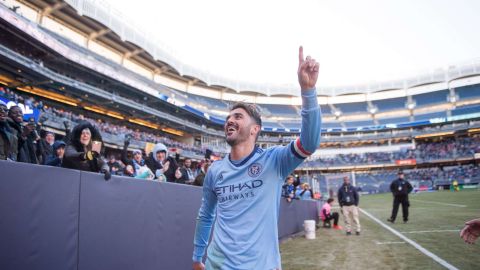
point(25, 134)
point(7, 137)
point(84, 149)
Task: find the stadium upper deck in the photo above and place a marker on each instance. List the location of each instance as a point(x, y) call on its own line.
point(93, 36)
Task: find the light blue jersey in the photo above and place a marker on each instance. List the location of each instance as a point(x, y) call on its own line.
point(245, 198)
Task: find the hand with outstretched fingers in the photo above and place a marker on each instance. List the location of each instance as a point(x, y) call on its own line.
point(471, 231)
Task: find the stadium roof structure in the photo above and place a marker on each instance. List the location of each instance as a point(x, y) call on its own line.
point(98, 21)
point(420, 105)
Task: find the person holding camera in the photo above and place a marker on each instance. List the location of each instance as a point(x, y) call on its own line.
point(6, 135)
point(83, 152)
point(26, 136)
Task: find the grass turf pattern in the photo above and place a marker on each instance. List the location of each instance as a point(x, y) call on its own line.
point(435, 221)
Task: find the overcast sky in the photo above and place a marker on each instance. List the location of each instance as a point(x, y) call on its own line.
point(354, 41)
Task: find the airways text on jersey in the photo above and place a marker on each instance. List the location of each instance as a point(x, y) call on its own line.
point(238, 191)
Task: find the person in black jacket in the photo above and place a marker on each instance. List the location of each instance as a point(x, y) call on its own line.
point(45, 146)
point(288, 189)
point(348, 200)
point(400, 189)
point(185, 173)
point(25, 142)
point(137, 162)
point(7, 137)
point(56, 158)
point(80, 153)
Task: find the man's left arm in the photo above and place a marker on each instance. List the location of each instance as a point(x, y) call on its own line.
point(410, 188)
point(299, 149)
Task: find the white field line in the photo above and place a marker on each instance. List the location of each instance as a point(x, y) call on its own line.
point(432, 231)
point(440, 203)
point(389, 243)
point(383, 209)
point(411, 242)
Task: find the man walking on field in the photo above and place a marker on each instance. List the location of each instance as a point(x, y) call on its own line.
point(244, 189)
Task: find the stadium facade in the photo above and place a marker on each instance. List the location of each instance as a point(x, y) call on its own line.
point(82, 56)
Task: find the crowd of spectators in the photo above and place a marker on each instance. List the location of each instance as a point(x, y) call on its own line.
point(35, 145)
point(447, 148)
point(113, 129)
point(293, 189)
point(103, 126)
point(430, 176)
point(82, 147)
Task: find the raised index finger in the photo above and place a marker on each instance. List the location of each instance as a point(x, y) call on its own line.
point(300, 54)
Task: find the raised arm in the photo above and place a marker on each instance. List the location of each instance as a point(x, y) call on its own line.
point(291, 156)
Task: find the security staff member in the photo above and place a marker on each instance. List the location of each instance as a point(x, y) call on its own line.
point(400, 189)
point(348, 200)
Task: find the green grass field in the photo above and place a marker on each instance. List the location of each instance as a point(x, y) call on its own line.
point(435, 222)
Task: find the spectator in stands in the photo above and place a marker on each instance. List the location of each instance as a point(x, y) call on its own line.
point(400, 189)
point(201, 175)
point(83, 152)
point(326, 215)
point(186, 174)
point(305, 193)
point(161, 164)
point(7, 137)
point(471, 231)
point(128, 171)
point(56, 158)
point(26, 137)
point(348, 200)
point(116, 169)
point(145, 173)
point(288, 189)
point(137, 162)
point(45, 146)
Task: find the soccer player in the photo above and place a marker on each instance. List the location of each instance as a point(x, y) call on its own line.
point(243, 190)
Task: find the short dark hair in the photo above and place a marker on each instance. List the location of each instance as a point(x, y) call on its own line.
point(251, 109)
point(330, 200)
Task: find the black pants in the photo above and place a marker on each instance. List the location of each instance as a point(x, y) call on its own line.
point(333, 216)
point(405, 204)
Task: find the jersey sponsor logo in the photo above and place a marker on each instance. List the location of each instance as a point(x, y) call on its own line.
point(240, 187)
point(254, 170)
point(243, 190)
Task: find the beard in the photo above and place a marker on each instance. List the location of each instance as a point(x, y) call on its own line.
point(239, 135)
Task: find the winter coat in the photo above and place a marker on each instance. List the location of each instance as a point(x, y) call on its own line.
point(7, 139)
point(76, 155)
